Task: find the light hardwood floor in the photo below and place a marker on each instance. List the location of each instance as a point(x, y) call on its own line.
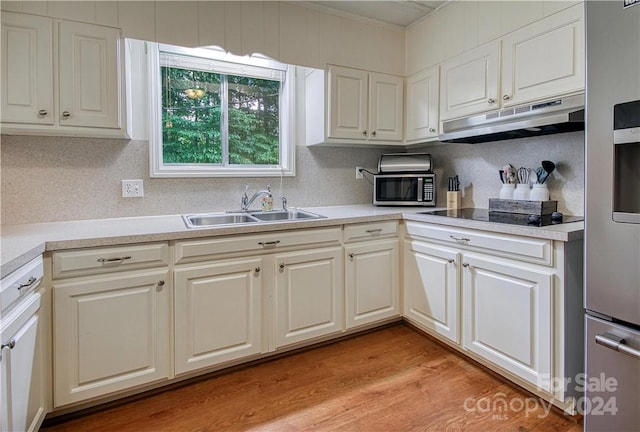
point(393, 379)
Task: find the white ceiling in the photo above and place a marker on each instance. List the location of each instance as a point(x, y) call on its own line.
point(396, 12)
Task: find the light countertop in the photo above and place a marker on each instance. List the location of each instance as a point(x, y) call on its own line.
point(21, 243)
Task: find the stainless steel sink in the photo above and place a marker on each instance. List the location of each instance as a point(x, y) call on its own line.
point(284, 215)
point(215, 219)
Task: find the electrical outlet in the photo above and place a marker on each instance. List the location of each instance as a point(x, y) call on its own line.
point(132, 188)
point(359, 175)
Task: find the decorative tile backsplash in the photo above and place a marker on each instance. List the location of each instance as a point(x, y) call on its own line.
point(51, 179)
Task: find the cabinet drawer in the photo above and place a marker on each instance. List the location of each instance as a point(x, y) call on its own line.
point(108, 259)
point(528, 249)
point(198, 250)
point(22, 281)
point(368, 231)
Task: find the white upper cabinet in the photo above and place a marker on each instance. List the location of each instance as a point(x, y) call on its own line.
point(421, 118)
point(83, 97)
point(544, 59)
point(27, 69)
point(345, 106)
point(89, 70)
point(469, 82)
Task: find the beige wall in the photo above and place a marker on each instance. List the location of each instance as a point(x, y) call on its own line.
point(281, 30)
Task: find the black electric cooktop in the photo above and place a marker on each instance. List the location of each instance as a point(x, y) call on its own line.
point(508, 218)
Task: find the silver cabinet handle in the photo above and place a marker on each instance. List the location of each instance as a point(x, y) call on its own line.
point(11, 344)
point(374, 231)
point(506, 97)
point(460, 239)
point(617, 343)
point(30, 282)
point(364, 132)
point(491, 101)
point(269, 243)
point(110, 260)
point(66, 114)
point(42, 113)
point(432, 130)
point(373, 133)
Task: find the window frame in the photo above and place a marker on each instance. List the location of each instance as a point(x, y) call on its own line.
point(158, 169)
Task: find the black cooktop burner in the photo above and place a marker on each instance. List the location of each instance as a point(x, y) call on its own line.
point(508, 218)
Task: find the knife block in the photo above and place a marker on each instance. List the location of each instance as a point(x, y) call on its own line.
point(454, 200)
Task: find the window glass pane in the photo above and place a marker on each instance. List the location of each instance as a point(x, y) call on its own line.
point(253, 121)
point(191, 117)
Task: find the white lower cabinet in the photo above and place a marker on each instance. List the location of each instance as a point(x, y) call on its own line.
point(217, 312)
point(22, 379)
point(432, 288)
point(511, 302)
point(309, 291)
point(508, 316)
point(372, 282)
point(111, 332)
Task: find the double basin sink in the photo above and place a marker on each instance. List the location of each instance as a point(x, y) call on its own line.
point(240, 218)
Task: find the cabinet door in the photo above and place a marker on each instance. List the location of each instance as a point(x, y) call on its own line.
point(308, 295)
point(347, 105)
point(27, 69)
point(432, 288)
point(469, 82)
point(422, 105)
point(217, 313)
point(21, 366)
point(385, 107)
point(544, 59)
point(508, 316)
point(111, 333)
point(372, 282)
point(89, 75)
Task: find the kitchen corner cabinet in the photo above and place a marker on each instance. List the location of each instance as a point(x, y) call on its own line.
point(111, 330)
point(422, 106)
point(542, 60)
point(23, 335)
point(362, 108)
point(217, 312)
point(432, 288)
point(61, 78)
point(512, 303)
point(372, 277)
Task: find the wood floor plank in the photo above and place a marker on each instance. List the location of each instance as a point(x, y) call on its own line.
point(393, 379)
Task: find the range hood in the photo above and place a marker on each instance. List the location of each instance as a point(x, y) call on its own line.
point(552, 116)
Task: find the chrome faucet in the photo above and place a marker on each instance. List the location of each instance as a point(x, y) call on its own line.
point(246, 201)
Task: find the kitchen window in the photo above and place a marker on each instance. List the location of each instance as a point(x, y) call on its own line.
point(219, 115)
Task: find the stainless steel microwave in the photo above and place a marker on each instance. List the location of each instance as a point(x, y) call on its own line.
point(404, 189)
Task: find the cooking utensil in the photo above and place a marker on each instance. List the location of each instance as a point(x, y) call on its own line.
point(501, 172)
point(548, 167)
point(509, 174)
point(523, 175)
point(533, 176)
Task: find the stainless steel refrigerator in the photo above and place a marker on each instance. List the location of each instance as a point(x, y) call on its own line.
point(612, 217)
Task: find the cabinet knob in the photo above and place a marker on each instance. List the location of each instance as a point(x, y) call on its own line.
point(373, 133)
point(466, 265)
point(364, 132)
point(43, 113)
point(491, 101)
point(351, 255)
point(257, 270)
point(451, 261)
point(160, 283)
point(11, 344)
point(66, 114)
point(506, 97)
point(282, 266)
point(432, 130)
